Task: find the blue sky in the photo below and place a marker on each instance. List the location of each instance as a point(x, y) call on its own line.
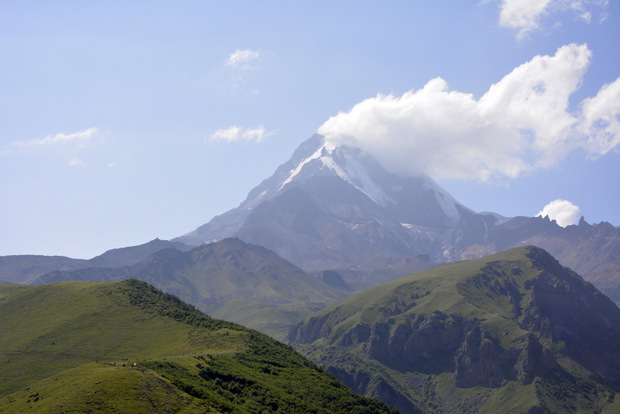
point(125, 121)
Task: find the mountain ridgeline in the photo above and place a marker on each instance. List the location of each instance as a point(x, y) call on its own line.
point(512, 332)
point(127, 347)
point(336, 208)
point(27, 268)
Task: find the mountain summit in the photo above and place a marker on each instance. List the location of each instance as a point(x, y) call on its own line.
point(335, 207)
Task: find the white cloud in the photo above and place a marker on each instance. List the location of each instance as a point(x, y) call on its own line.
point(60, 138)
point(563, 212)
point(521, 123)
point(601, 120)
point(526, 15)
point(522, 14)
point(236, 133)
point(535, 96)
point(240, 58)
point(92, 148)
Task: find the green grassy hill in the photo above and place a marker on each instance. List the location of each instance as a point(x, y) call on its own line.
point(512, 332)
point(128, 347)
point(231, 280)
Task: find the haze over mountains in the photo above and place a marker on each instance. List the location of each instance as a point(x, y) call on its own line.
point(27, 268)
point(388, 259)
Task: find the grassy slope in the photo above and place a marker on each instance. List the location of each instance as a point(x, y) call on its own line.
point(74, 344)
point(466, 289)
point(101, 388)
point(54, 327)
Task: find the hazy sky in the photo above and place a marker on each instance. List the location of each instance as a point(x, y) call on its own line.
point(125, 121)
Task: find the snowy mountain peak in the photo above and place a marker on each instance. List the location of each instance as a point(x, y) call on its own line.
point(317, 155)
point(366, 175)
point(326, 196)
point(349, 164)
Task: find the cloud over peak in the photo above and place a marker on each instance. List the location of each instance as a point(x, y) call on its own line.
point(563, 212)
point(521, 123)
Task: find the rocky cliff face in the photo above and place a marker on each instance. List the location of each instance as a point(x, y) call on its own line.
point(488, 324)
point(564, 308)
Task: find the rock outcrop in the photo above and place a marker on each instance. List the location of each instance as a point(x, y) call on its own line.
point(510, 320)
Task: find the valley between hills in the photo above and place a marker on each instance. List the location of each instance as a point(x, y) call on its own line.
point(336, 286)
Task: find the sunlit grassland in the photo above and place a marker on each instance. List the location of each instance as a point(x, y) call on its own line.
point(128, 347)
point(64, 325)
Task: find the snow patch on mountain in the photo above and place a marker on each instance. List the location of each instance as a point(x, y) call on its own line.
point(356, 174)
point(348, 168)
point(445, 200)
point(294, 172)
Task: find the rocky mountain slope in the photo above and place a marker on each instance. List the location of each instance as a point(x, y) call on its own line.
point(593, 251)
point(512, 332)
point(230, 280)
point(336, 208)
point(127, 347)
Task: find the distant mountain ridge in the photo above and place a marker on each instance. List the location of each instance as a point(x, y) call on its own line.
point(511, 332)
point(27, 268)
point(593, 251)
point(230, 280)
